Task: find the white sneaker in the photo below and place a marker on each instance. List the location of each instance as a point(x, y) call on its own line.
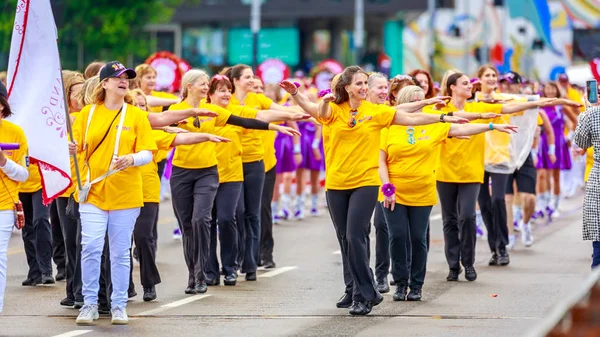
point(299, 214)
point(555, 214)
point(527, 235)
point(511, 242)
point(87, 314)
point(177, 234)
point(119, 316)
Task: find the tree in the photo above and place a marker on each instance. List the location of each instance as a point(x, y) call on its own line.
point(103, 29)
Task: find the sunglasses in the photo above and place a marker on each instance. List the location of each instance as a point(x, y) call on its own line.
point(220, 78)
point(352, 121)
point(197, 122)
point(399, 78)
point(411, 135)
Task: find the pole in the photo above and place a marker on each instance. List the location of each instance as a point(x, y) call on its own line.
point(255, 27)
point(70, 129)
point(431, 11)
point(359, 29)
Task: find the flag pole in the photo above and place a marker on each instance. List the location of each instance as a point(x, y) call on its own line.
point(69, 126)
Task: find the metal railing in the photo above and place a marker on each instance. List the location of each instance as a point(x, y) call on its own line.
point(578, 315)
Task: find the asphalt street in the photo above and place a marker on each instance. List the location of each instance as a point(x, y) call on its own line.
point(298, 297)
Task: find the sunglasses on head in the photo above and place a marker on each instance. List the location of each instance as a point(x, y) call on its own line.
point(220, 78)
point(352, 121)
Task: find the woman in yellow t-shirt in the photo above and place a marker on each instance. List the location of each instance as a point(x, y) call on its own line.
point(459, 178)
point(114, 139)
point(231, 178)
point(145, 225)
point(195, 174)
point(146, 80)
point(408, 158)
point(352, 127)
point(254, 158)
point(13, 170)
point(73, 83)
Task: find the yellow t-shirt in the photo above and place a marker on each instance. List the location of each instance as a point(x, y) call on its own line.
point(252, 143)
point(34, 182)
point(268, 140)
point(9, 189)
point(411, 167)
point(160, 94)
point(352, 153)
point(74, 186)
point(229, 155)
point(461, 160)
point(150, 178)
point(574, 95)
point(201, 155)
point(589, 162)
point(121, 190)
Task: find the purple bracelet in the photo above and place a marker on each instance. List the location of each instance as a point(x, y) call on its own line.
point(323, 93)
point(297, 84)
point(388, 189)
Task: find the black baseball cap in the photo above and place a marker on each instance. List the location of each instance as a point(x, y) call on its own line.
point(3, 91)
point(513, 78)
point(115, 69)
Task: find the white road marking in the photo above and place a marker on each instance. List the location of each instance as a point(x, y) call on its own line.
point(277, 271)
point(74, 333)
point(172, 305)
point(435, 217)
point(337, 252)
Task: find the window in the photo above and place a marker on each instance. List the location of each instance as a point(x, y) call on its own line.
point(586, 44)
point(203, 47)
point(444, 3)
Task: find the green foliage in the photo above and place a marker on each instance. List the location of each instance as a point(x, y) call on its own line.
point(103, 29)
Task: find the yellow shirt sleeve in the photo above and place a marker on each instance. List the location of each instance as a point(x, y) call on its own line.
point(384, 115)
point(383, 139)
point(264, 102)
point(335, 110)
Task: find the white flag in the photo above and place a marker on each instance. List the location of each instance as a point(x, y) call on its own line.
point(35, 94)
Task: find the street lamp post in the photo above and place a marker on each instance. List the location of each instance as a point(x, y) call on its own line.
point(255, 27)
point(359, 29)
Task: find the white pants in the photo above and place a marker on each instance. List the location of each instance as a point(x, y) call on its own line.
point(94, 223)
point(7, 221)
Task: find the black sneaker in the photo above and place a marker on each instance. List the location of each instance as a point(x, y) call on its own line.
point(30, 282)
point(493, 260)
point(149, 294)
point(453, 274)
point(213, 282)
point(503, 259)
point(400, 294)
point(345, 301)
point(230, 280)
point(383, 286)
point(47, 279)
point(67, 302)
point(200, 287)
point(251, 276)
point(414, 294)
point(470, 273)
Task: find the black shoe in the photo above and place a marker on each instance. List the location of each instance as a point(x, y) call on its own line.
point(78, 305)
point(400, 294)
point(190, 290)
point(493, 260)
point(131, 294)
point(470, 273)
point(260, 263)
point(383, 286)
point(270, 265)
point(503, 259)
point(61, 276)
point(104, 309)
point(414, 294)
point(251, 276)
point(345, 301)
point(47, 279)
point(360, 308)
point(453, 274)
point(230, 280)
point(67, 302)
point(29, 282)
point(149, 294)
point(213, 282)
point(377, 300)
point(200, 287)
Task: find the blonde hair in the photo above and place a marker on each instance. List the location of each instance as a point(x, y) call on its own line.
point(335, 80)
point(144, 69)
point(93, 69)
point(71, 79)
point(85, 95)
point(191, 77)
point(375, 76)
point(444, 83)
point(407, 93)
point(99, 94)
point(3, 77)
point(135, 93)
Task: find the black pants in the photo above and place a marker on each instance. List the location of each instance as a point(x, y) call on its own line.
point(408, 243)
point(254, 178)
point(458, 215)
point(161, 170)
point(58, 241)
point(493, 210)
point(224, 216)
point(71, 229)
point(351, 211)
point(267, 242)
point(240, 220)
point(382, 243)
point(37, 235)
point(146, 245)
point(193, 192)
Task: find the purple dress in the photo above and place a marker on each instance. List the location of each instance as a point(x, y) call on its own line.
point(556, 115)
point(284, 152)
point(307, 129)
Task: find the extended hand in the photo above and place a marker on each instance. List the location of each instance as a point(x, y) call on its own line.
point(123, 162)
point(289, 87)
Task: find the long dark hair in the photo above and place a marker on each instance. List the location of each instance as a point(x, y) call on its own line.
point(235, 73)
point(6, 112)
point(341, 95)
point(452, 81)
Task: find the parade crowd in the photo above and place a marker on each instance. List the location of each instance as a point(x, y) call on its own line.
point(235, 156)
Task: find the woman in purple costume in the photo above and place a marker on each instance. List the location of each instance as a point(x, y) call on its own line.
point(552, 158)
point(312, 160)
